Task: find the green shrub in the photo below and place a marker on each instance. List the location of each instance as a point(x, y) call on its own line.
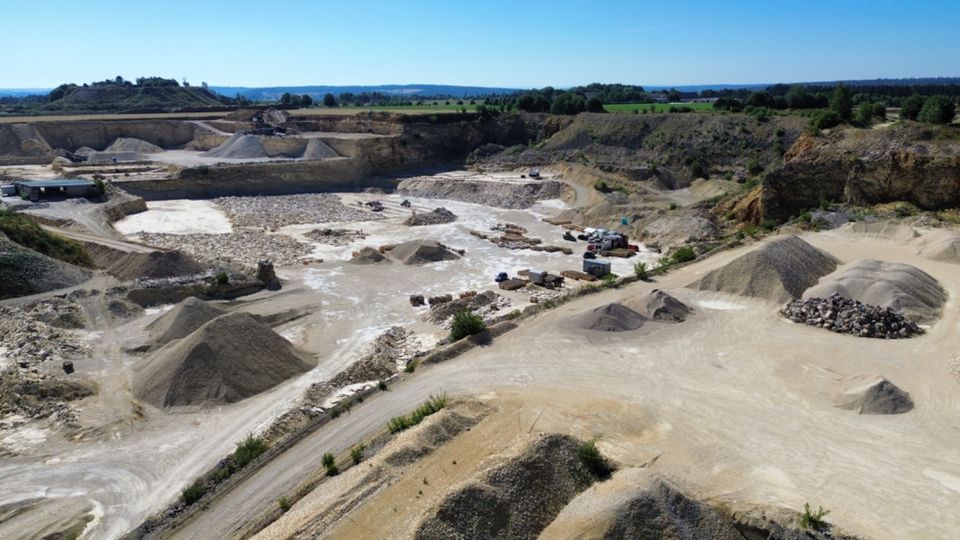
point(602, 186)
point(683, 254)
point(284, 504)
point(222, 278)
point(382, 385)
point(640, 270)
point(411, 366)
point(248, 450)
point(466, 323)
point(824, 120)
point(937, 110)
point(333, 470)
point(697, 170)
point(674, 206)
point(813, 520)
point(754, 167)
point(356, 453)
point(193, 493)
point(21, 230)
point(590, 455)
point(609, 280)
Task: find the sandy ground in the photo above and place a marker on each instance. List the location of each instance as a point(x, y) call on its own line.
point(733, 404)
point(176, 217)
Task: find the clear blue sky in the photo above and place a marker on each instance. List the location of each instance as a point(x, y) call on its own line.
point(522, 43)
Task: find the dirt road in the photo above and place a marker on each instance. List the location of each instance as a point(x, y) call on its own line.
point(734, 402)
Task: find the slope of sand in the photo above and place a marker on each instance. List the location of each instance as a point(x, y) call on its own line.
point(872, 394)
point(613, 317)
point(186, 317)
point(317, 149)
point(239, 146)
point(944, 249)
point(134, 145)
point(659, 306)
point(778, 270)
point(902, 287)
point(226, 360)
point(154, 265)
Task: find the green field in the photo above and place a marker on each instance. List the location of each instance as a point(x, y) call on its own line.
point(657, 107)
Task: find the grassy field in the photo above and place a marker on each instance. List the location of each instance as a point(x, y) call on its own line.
point(657, 107)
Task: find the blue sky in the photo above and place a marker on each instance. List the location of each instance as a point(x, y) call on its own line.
point(521, 43)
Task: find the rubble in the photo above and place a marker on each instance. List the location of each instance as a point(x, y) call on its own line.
point(335, 237)
point(438, 216)
point(278, 211)
point(845, 316)
point(244, 247)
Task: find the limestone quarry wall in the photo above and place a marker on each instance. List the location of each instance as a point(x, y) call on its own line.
point(71, 135)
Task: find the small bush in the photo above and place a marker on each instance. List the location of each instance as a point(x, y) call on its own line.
point(193, 493)
point(284, 504)
point(382, 385)
point(754, 167)
point(609, 280)
point(813, 520)
point(222, 278)
point(356, 453)
point(333, 470)
point(674, 206)
point(697, 170)
point(683, 254)
point(640, 270)
point(248, 450)
point(602, 186)
point(431, 406)
point(466, 323)
point(328, 460)
point(590, 455)
point(410, 367)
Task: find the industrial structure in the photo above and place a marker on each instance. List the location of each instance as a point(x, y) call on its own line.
point(65, 188)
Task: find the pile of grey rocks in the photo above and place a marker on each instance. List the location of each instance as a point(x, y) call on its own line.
point(845, 316)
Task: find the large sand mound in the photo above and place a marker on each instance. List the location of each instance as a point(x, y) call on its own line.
point(611, 318)
point(226, 360)
point(902, 287)
point(872, 394)
point(317, 149)
point(183, 320)
point(515, 499)
point(660, 306)
point(946, 249)
point(131, 144)
point(422, 252)
point(639, 503)
point(155, 265)
point(779, 270)
point(239, 146)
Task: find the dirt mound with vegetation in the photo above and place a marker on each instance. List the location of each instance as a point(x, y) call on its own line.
point(228, 359)
point(422, 252)
point(872, 394)
point(181, 321)
point(779, 270)
point(611, 318)
point(515, 498)
point(660, 306)
point(24, 271)
point(905, 162)
point(639, 503)
point(239, 146)
point(901, 287)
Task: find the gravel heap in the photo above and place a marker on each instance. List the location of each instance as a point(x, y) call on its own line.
point(487, 304)
point(486, 192)
point(335, 237)
point(845, 316)
point(243, 247)
point(872, 394)
point(278, 211)
point(437, 217)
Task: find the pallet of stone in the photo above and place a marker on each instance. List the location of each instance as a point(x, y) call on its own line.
point(513, 284)
point(619, 252)
point(574, 274)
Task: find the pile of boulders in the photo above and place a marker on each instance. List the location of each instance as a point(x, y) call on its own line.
point(845, 316)
point(245, 247)
point(438, 216)
point(41, 332)
point(277, 211)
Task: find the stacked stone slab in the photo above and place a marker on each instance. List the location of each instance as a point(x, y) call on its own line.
point(845, 316)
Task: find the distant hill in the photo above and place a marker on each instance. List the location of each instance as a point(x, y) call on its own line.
point(412, 91)
point(123, 98)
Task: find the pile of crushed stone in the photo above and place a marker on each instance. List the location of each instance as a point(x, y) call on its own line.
point(872, 394)
point(486, 304)
point(317, 149)
point(368, 255)
point(422, 252)
point(660, 306)
point(436, 217)
point(779, 270)
point(275, 211)
point(155, 265)
point(904, 288)
point(613, 317)
point(844, 316)
point(228, 359)
point(181, 321)
point(245, 247)
point(239, 146)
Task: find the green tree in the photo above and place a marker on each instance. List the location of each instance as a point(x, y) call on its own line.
point(286, 98)
point(865, 113)
point(842, 102)
point(329, 100)
point(910, 108)
point(568, 103)
point(306, 101)
point(594, 105)
point(937, 110)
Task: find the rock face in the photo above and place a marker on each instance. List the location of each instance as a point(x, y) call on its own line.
point(778, 270)
point(872, 394)
point(902, 163)
point(845, 316)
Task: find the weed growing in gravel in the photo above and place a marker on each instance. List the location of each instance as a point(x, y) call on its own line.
point(329, 462)
point(284, 504)
point(813, 520)
point(590, 456)
point(194, 492)
point(356, 453)
point(466, 323)
point(640, 270)
point(431, 406)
